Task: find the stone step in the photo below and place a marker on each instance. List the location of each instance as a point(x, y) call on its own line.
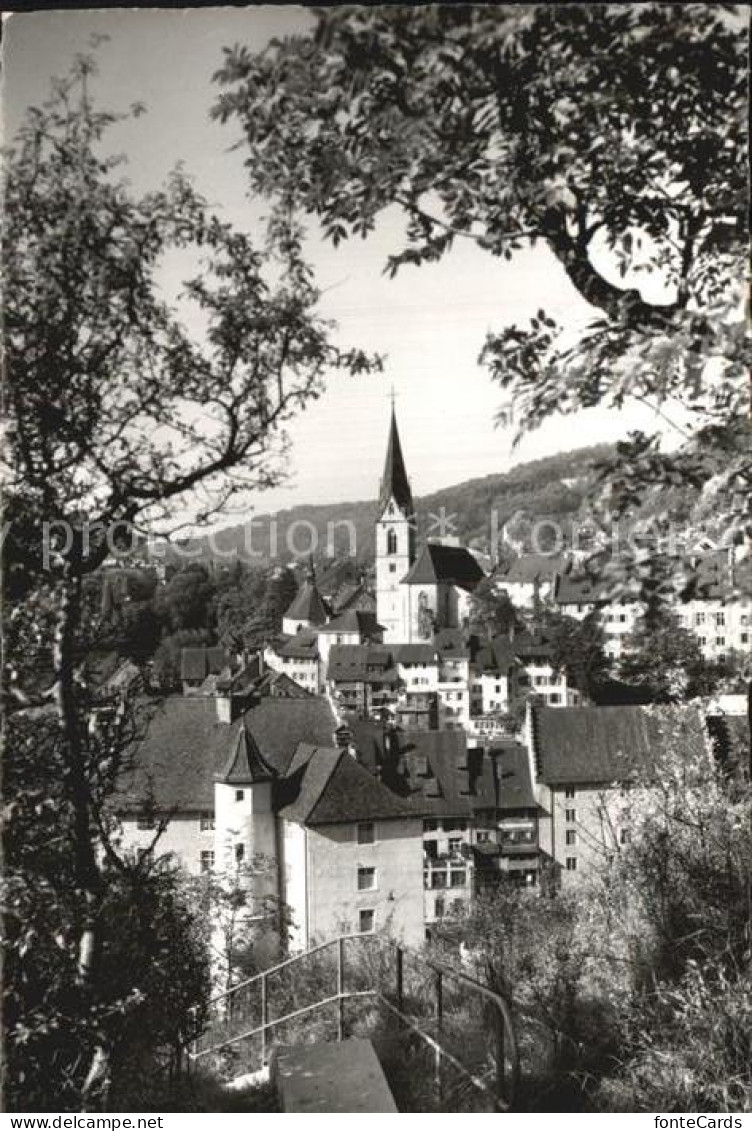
point(342, 1076)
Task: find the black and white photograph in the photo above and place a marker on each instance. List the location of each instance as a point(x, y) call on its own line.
point(376, 563)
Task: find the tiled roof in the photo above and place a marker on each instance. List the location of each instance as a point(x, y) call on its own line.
point(185, 747)
point(327, 786)
point(394, 483)
point(354, 595)
point(280, 684)
point(360, 662)
point(452, 564)
point(303, 645)
point(451, 642)
point(434, 768)
point(245, 766)
point(605, 744)
point(532, 567)
point(354, 620)
point(415, 654)
point(307, 605)
point(198, 663)
point(512, 772)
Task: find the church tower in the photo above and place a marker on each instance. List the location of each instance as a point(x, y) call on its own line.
point(395, 541)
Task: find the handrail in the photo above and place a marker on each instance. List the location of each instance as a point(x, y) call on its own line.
point(506, 1046)
point(281, 965)
point(281, 1020)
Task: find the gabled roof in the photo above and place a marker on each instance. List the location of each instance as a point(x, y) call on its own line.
point(354, 620)
point(354, 596)
point(245, 765)
point(433, 768)
point(416, 654)
point(361, 662)
point(198, 663)
point(514, 787)
point(281, 685)
point(303, 645)
point(394, 483)
point(436, 563)
point(530, 568)
point(452, 643)
point(327, 786)
point(185, 747)
point(307, 605)
point(607, 744)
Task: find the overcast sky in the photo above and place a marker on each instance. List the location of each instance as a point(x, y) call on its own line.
point(431, 321)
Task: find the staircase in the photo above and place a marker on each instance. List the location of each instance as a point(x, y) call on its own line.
point(334, 1002)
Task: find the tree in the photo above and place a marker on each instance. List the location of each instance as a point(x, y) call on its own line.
point(615, 135)
point(578, 649)
point(661, 655)
point(116, 411)
point(492, 610)
point(186, 601)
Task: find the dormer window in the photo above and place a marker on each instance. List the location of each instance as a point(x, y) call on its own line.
point(391, 541)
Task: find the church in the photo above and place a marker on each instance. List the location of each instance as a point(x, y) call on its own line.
point(419, 591)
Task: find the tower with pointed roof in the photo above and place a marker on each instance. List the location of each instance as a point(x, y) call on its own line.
point(308, 609)
point(395, 540)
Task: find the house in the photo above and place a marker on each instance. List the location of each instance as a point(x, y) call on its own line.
point(362, 677)
point(199, 664)
point(268, 796)
point(299, 658)
point(308, 610)
point(584, 761)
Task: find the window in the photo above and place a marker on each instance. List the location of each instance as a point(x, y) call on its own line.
point(391, 541)
point(431, 849)
point(366, 879)
point(720, 619)
point(366, 921)
point(570, 792)
point(571, 837)
point(239, 853)
point(392, 567)
point(571, 815)
point(206, 822)
point(454, 826)
point(438, 880)
point(207, 861)
point(720, 641)
point(483, 837)
point(145, 823)
point(699, 618)
point(430, 826)
point(744, 637)
point(571, 863)
point(439, 908)
point(366, 832)
point(624, 837)
point(239, 794)
point(458, 878)
point(455, 845)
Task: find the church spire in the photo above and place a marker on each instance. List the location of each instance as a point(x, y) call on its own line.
point(394, 484)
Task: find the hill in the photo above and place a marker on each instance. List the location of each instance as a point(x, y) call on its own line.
point(554, 487)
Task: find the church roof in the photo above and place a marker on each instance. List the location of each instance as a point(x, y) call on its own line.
point(394, 483)
point(437, 563)
point(307, 605)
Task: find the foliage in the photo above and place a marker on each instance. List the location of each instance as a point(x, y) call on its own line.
point(612, 135)
point(123, 403)
point(166, 670)
point(185, 601)
point(665, 658)
point(578, 649)
point(492, 612)
point(152, 959)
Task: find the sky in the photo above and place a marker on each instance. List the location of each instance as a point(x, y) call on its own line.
point(430, 322)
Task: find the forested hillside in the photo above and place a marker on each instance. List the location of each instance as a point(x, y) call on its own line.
point(552, 487)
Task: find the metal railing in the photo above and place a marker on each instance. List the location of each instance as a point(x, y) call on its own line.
point(418, 1002)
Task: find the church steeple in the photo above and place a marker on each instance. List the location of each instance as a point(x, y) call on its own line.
point(394, 483)
point(395, 539)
